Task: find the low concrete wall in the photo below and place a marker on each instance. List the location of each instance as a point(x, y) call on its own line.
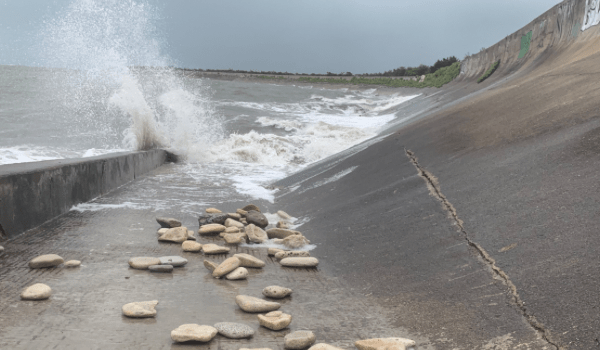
point(33, 193)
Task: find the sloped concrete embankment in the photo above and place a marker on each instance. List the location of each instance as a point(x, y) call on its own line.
point(33, 193)
point(553, 31)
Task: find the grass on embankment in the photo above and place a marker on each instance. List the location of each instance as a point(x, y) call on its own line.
point(489, 72)
point(438, 79)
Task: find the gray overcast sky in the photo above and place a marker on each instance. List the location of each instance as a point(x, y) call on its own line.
point(300, 36)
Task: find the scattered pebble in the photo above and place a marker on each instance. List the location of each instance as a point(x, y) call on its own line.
point(214, 249)
point(212, 219)
point(292, 254)
point(161, 268)
point(252, 304)
point(238, 274)
point(232, 229)
point(256, 234)
point(299, 340)
point(211, 266)
point(1, 249)
point(323, 346)
point(276, 292)
point(48, 260)
point(235, 238)
point(38, 291)
point(257, 218)
point(193, 332)
point(285, 216)
point(162, 231)
point(190, 235)
point(384, 343)
point(176, 235)
point(295, 241)
point(142, 263)
point(168, 222)
point(73, 263)
point(256, 349)
point(211, 229)
point(226, 267)
point(191, 246)
point(141, 309)
point(242, 212)
point(275, 320)
point(234, 330)
point(281, 233)
point(235, 216)
point(282, 224)
point(250, 207)
point(300, 262)
point(274, 251)
point(175, 261)
point(213, 211)
point(247, 260)
point(233, 223)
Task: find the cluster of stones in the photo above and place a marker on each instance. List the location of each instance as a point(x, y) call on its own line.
point(41, 291)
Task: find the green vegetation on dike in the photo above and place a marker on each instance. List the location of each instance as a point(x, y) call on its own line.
point(437, 79)
point(489, 72)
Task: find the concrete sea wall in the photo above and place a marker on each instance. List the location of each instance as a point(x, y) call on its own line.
point(33, 193)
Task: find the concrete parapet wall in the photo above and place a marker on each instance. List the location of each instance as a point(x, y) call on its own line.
point(33, 193)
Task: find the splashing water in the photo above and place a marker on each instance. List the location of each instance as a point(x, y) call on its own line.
point(112, 77)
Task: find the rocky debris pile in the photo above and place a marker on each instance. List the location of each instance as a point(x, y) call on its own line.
point(141, 309)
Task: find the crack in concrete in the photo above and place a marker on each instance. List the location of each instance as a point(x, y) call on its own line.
point(435, 191)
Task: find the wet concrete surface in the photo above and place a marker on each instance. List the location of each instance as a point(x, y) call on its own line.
point(84, 311)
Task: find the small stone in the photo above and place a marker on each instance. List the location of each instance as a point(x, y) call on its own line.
point(211, 229)
point(242, 212)
point(233, 223)
point(161, 268)
point(281, 233)
point(226, 267)
point(141, 309)
point(211, 266)
point(299, 340)
point(238, 274)
point(275, 320)
point(232, 229)
point(257, 218)
point(162, 231)
point(277, 241)
point(282, 224)
point(175, 261)
point(48, 260)
point(176, 235)
point(214, 249)
point(142, 263)
point(190, 235)
point(212, 219)
point(295, 241)
point(1, 249)
point(191, 246)
point(38, 291)
point(384, 344)
point(274, 251)
point(247, 260)
point(256, 349)
point(235, 238)
point(73, 263)
point(213, 211)
point(235, 216)
point(250, 207)
point(292, 254)
point(244, 221)
point(252, 304)
point(234, 330)
point(282, 214)
point(323, 346)
point(256, 234)
point(193, 332)
point(168, 222)
point(276, 292)
point(299, 262)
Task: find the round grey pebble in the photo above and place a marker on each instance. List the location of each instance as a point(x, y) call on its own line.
point(161, 268)
point(234, 330)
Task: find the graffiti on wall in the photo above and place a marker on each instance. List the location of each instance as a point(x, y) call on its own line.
point(525, 43)
point(592, 14)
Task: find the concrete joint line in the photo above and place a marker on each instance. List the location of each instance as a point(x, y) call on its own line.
point(435, 191)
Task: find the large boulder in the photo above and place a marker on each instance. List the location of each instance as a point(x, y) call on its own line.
point(384, 344)
point(142, 263)
point(234, 330)
point(38, 291)
point(212, 219)
point(48, 260)
point(299, 340)
point(256, 234)
point(193, 332)
point(257, 218)
point(226, 267)
point(176, 235)
point(275, 320)
point(300, 262)
point(141, 309)
point(281, 233)
point(252, 304)
point(247, 260)
point(168, 222)
point(276, 292)
point(210, 229)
